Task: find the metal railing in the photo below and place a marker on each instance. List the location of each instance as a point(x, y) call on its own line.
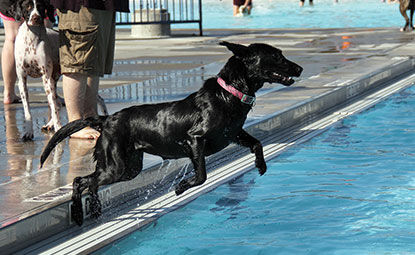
point(162, 12)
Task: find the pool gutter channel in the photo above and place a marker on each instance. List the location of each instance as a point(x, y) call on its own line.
point(52, 232)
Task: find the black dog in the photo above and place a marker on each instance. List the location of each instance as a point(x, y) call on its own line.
point(202, 124)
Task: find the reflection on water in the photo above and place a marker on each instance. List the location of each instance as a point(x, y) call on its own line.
point(157, 85)
point(20, 178)
point(150, 91)
point(19, 162)
point(18, 165)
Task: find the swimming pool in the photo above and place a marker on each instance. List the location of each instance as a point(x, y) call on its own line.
point(347, 191)
point(287, 14)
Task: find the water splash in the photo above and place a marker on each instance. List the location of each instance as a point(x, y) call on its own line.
point(181, 174)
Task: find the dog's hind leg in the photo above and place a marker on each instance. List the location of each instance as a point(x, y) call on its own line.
point(402, 9)
point(92, 182)
point(133, 168)
point(199, 165)
point(109, 169)
point(78, 186)
point(246, 140)
point(95, 204)
point(98, 178)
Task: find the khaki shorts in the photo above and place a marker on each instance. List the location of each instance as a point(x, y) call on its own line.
point(87, 41)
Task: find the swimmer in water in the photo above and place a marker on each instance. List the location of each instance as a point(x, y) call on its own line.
point(241, 7)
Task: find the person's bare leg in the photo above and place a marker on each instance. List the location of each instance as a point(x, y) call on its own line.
point(75, 92)
point(90, 106)
point(235, 10)
point(8, 65)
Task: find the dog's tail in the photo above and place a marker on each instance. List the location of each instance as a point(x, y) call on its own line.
point(69, 129)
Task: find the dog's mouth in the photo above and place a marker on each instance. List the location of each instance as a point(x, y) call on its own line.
point(283, 79)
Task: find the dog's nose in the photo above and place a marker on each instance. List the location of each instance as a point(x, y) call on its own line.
point(298, 70)
point(35, 19)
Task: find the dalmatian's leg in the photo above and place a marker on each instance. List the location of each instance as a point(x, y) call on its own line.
point(24, 95)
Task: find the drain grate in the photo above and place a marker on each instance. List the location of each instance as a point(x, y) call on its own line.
point(57, 194)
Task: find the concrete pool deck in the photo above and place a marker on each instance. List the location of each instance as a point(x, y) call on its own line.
point(338, 65)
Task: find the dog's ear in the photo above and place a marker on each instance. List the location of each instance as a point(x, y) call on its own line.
point(237, 49)
point(16, 11)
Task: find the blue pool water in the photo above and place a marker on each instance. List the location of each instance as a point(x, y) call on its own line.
point(288, 14)
point(350, 190)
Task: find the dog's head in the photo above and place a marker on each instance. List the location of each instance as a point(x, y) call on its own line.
point(33, 11)
point(265, 63)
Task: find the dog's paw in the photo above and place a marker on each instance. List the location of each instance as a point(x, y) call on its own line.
point(182, 187)
point(77, 215)
point(96, 213)
point(28, 131)
point(48, 128)
point(406, 29)
point(95, 208)
point(28, 136)
point(262, 166)
point(179, 191)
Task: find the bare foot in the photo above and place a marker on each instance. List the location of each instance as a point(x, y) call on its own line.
point(86, 133)
point(11, 99)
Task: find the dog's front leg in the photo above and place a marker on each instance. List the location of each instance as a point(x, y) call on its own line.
point(24, 95)
point(50, 90)
point(199, 165)
point(246, 140)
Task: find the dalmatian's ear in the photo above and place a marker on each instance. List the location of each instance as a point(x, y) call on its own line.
point(16, 10)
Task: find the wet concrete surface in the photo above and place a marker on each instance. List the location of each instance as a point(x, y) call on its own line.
point(149, 71)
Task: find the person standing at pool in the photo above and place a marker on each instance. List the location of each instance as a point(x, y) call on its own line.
point(87, 41)
point(8, 66)
point(242, 6)
point(302, 2)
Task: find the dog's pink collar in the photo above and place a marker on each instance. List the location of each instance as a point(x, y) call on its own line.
point(246, 99)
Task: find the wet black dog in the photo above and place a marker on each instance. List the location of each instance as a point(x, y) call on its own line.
point(202, 124)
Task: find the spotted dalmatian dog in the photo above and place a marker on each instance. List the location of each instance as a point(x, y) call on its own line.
point(37, 55)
